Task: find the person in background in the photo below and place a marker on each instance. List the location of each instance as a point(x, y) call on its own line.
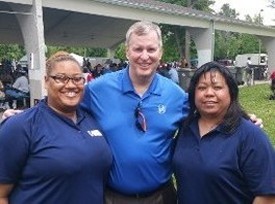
point(173, 72)
point(184, 63)
point(2, 91)
point(97, 72)
point(163, 70)
point(54, 152)
point(221, 156)
point(87, 75)
point(20, 87)
point(2, 96)
point(249, 72)
point(272, 86)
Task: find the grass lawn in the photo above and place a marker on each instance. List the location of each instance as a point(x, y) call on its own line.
point(255, 99)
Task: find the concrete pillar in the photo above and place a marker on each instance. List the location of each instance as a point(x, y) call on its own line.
point(204, 39)
point(32, 28)
point(187, 46)
point(269, 44)
point(110, 53)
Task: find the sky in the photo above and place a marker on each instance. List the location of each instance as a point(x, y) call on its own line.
point(251, 7)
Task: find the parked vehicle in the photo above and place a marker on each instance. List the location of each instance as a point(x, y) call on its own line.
point(257, 60)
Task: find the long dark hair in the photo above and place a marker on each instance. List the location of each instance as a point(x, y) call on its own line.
point(234, 113)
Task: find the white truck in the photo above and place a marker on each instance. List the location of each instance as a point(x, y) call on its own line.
point(257, 60)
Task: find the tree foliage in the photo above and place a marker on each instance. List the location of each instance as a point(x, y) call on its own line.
point(226, 42)
point(174, 36)
point(229, 44)
point(120, 52)
point(228, 12)
point(272, 3)
point(83, 51)
point(11, 51)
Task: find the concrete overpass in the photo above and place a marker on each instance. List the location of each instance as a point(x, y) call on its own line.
point(103, 23)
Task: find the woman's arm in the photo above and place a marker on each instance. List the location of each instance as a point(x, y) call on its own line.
point(5, 190)
point(264, 200)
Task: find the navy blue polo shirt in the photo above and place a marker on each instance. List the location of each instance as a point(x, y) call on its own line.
point(50, 159)
point(224, 168)
point(142, 160)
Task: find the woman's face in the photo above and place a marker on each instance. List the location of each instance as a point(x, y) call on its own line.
point(212, 97)
point(65, 95)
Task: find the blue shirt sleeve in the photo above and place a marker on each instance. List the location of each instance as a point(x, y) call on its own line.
point(14, 148)
point(257, 162)
point(186, 105)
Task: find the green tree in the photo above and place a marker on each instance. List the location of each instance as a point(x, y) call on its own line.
point(272, 3)
point(228, 12)
point(174, 36)
point(248, 18)
point(229, 44)
point(248, 44)
point(11, 51)
point(83, 51)
point(120, 52)
point(226, 42)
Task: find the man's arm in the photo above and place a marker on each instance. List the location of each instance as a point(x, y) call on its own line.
point(5, 190)
point(10, 112)
point(264, 200)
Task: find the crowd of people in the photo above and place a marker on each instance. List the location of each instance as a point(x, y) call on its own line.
point(14, 85)
point(166, 69)
point(98, 70)
point(220, 155)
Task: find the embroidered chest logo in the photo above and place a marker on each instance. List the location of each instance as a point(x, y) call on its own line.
point(94, 133)
point(161, 109)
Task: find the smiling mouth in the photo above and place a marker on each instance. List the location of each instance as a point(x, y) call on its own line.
point(210, 102)
point(70, 94)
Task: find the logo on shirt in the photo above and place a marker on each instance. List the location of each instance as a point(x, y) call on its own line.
point(94, 133)
point(161, 109)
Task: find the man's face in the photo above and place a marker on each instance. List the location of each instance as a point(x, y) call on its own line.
point(144, 53)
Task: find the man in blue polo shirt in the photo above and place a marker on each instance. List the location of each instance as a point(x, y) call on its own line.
point(139, 112)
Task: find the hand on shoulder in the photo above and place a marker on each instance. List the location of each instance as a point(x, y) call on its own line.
point(256, 121)
point(10, 112)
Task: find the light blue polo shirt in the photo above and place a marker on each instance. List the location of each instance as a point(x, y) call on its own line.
point(142, 160)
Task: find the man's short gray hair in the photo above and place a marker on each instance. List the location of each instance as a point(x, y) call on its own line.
point(141, 28)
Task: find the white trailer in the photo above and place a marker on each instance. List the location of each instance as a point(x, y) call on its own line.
point(257, 60)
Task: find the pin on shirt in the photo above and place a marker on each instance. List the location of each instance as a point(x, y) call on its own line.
point(94, 133)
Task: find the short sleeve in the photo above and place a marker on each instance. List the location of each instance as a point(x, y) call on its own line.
point(14, 146)
point(258, 162)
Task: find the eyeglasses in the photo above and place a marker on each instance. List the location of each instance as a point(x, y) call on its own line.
point(64, 79)
point(140, 119)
